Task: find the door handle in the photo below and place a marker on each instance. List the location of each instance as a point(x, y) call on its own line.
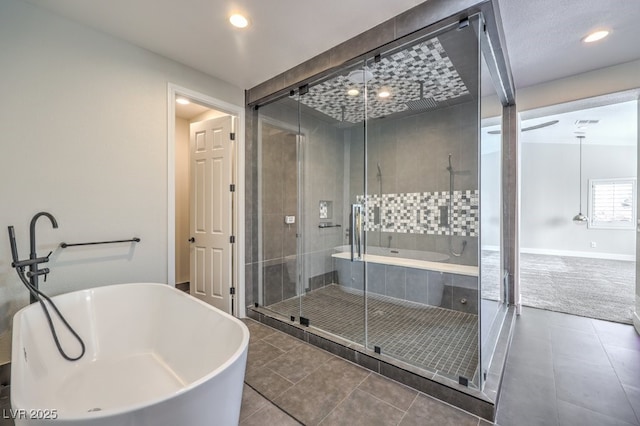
point(192, 240)
point(356, 232)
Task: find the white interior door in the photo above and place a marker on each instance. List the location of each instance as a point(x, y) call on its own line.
point(211, 201)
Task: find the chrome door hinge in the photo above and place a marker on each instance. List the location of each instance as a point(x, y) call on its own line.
point(232, 239)
point(232, 187)
point(232, 136)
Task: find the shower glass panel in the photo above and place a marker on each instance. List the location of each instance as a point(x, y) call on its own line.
point(493, 289)
point(279, 175)
point(331, 118)
point(422, 221)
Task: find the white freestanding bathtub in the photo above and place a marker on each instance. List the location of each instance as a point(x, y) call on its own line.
point(154, 356)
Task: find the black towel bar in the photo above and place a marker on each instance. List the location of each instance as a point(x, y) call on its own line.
point(133, 240)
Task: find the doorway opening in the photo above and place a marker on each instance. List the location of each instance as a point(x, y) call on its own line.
point(578, 207)
point(206, 206)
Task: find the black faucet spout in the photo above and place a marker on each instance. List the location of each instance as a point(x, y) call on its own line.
point(34, 271)
point(32, 231)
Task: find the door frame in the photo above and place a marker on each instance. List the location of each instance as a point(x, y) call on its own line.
point(237, 272)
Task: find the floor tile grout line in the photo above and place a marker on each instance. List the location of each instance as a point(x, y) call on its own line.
point(397, 383)
point(636, 413)
point(380, 399)
point(266, 401)
point(450, 405)
point(409, 408)
point(548, 326)
point(344, 399)
point(274, 403)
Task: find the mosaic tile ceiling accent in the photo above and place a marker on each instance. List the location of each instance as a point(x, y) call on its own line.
point(401, 73)
point(421, 213)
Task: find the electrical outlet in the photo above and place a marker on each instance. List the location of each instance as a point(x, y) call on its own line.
point(593, 244)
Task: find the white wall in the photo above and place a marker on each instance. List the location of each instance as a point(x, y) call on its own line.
point(550, 197)
point(604, 81)
point(84, 136)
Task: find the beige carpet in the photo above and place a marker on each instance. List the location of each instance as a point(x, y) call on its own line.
point(595, 288)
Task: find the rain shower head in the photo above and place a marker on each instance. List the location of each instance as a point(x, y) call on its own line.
point(422, 103)
point(342, 124)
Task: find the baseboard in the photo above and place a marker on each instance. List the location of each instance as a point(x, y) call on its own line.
point(587, 254)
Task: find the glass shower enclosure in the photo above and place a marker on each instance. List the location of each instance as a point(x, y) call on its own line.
point(372, 182)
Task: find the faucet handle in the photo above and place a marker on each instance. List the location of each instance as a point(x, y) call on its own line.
point(47, 256)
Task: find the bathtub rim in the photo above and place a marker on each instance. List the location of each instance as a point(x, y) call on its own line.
point(449, 268)
point(112, 412)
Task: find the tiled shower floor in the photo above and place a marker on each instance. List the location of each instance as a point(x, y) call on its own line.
point(425, 336)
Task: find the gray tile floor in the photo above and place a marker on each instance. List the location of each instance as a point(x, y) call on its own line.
point(426, 336)
point(562, 370)
point(569, 370)
point(291, 382)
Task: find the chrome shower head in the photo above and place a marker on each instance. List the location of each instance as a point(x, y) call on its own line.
point(422, 102)
point(343, 124)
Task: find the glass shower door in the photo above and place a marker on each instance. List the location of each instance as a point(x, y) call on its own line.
point(279, 175)
point(332, 188)
point(422, 193)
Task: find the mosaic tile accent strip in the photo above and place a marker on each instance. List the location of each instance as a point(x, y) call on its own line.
point(402, 72)
point(426, 336)
point(422, 213)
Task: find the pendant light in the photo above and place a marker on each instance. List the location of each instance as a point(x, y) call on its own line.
point(580, 219)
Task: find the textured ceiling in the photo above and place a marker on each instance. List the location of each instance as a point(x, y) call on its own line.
point(543, 37)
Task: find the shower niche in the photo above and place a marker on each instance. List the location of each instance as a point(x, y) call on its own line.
point(395, 272)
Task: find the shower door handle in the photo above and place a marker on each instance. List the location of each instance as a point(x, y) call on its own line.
point(356, 232)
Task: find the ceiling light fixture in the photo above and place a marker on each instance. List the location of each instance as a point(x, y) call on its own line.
point(183, 101)
point(384, 93)
point(238, 21)
point(580, 219)
point(595, 36)
point(353, 92)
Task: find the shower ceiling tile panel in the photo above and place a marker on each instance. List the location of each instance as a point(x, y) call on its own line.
point(401, 73)
point(420, 213)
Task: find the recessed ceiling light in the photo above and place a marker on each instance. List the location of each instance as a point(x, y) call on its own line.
point(238, 20)
point(595, 36)
point(183, 101)
point(353, 92)
point(384, 93)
